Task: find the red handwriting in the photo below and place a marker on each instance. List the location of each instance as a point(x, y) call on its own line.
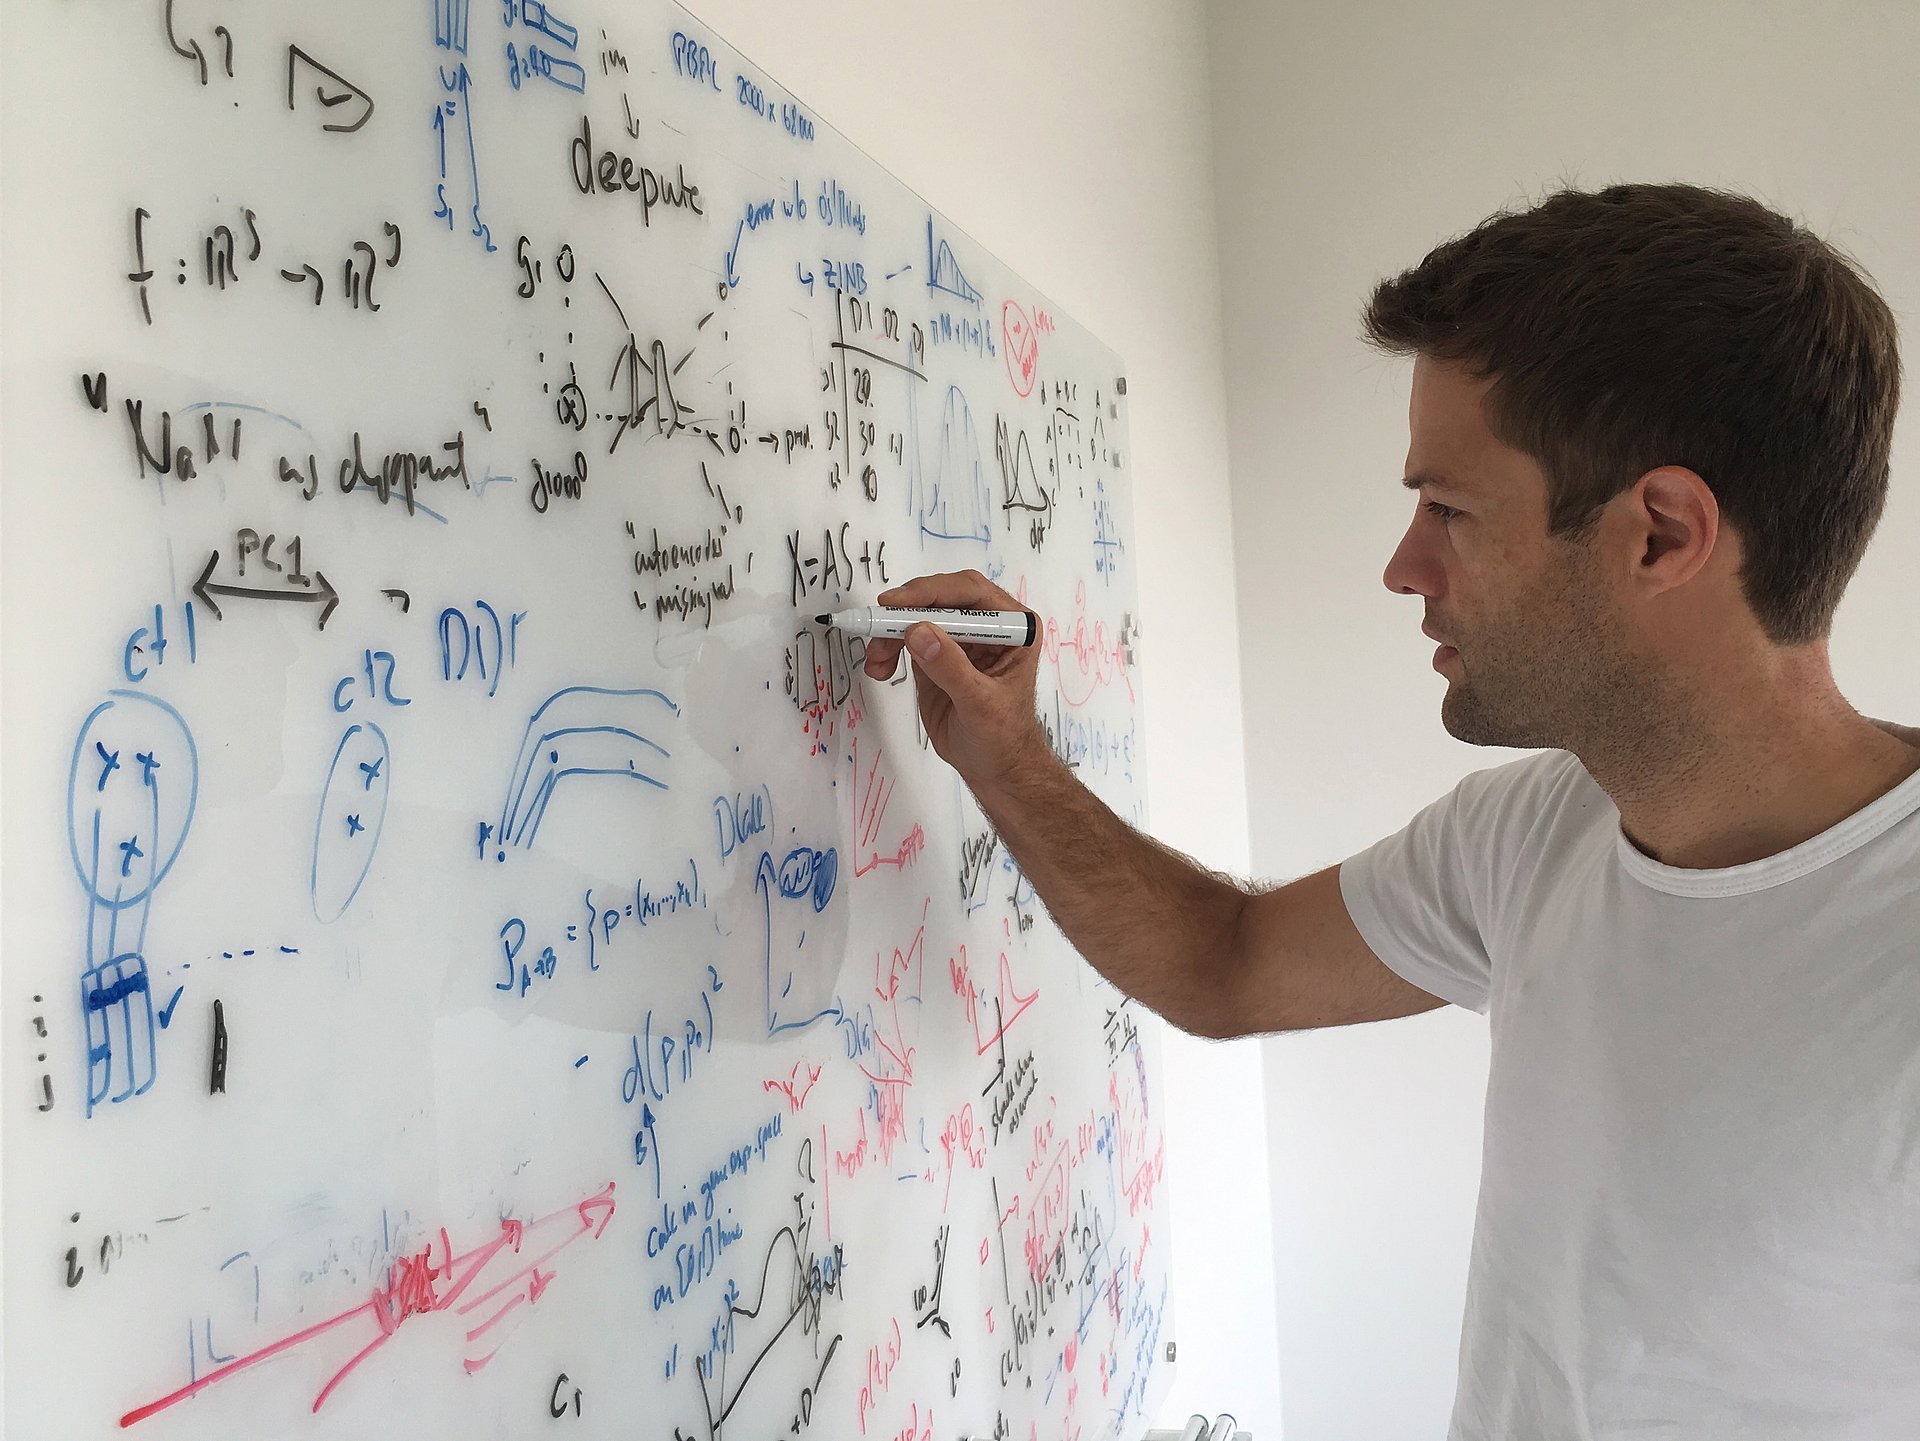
point(793, 1088)
point(890, 1111)
point(916, 1429)
point(418, 1284)
point(1140, 1185)
point(1141, 1169)
point(1006, 1005)
point(848, 1163)
point(1085, 659)
point(881, 1360)
point(897, 977)
point(1042, 1142)
point(961, 1138)
point(1022, 346)
point(870, 798)
point(1047, 1215)
point(822, 719)
point(826, 1188)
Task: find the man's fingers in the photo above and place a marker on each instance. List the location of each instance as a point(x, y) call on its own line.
point(883, 658)
point(966, 589)
point(950, 664)
point(995, 660)
point(938, 657)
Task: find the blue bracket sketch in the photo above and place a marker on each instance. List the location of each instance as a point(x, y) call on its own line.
point(450, 19)
point(807, 878)
point(580, 731)
point(353, 811)
point(131, 793)
point(450, 33)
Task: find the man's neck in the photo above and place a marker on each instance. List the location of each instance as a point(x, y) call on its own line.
point(1753, 771)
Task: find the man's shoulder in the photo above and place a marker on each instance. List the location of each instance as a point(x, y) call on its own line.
point(1535, 777)
point(1529, 803)
point(1909, 734)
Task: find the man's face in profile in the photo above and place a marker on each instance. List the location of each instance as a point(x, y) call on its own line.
point(1532, 642)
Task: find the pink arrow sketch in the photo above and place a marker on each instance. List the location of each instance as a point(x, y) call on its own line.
point(417, 1284)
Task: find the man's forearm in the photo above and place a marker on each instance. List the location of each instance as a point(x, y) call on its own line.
point(1157, 925)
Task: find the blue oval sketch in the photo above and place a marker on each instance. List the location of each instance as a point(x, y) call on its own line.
point(353, 808)
point(131, 792)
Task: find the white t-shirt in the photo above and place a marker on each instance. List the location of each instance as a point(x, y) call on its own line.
point(1699, 1210)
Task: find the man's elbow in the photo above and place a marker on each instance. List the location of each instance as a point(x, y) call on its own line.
point(1212, 1027)
point(1216, 1011)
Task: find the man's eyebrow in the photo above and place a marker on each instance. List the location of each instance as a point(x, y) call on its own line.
point(1428, 477)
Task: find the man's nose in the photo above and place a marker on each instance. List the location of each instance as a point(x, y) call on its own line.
point(1413, 569)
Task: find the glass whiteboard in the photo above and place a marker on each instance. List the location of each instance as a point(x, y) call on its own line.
point(479, 958)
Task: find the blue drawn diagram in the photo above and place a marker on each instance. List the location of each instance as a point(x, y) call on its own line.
point(592, 731)
point(944, 272)
point(353, 811)
point(1108, 546)
point(538, 61)
point(131, 791)
point(791, 894)
point(450, 19)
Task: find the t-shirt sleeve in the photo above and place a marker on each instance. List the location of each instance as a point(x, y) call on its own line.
point(1410, 896)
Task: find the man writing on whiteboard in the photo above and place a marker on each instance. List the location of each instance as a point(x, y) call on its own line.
point(1649, 438)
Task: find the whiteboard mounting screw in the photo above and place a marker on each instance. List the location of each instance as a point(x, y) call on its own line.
point(1120, 386)
point(1170, 1350)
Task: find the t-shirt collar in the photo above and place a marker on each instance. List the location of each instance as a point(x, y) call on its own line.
point(1871, 820)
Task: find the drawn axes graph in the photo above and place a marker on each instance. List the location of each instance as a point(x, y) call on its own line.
point(791, 1273)
point(799, 984)
point(1021, 488)
point(944, 272)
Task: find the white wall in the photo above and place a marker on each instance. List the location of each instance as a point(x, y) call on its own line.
point(1074, 141)
point(1351, 137)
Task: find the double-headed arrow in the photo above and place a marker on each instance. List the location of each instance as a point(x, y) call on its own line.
point(326, 595)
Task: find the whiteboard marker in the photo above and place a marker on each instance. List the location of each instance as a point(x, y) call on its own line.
point(973, 627)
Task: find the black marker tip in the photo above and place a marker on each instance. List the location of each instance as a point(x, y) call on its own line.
point(824, 619)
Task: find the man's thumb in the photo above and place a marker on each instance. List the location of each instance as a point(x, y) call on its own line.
point(942, 661)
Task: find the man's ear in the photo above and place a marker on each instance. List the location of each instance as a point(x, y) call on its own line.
point(1675, 520)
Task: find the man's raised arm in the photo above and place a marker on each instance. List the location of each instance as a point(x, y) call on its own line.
point(1209, 954)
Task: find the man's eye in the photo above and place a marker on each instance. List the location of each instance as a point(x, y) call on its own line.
point(1445, 512)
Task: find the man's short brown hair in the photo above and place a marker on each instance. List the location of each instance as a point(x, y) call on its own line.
point(1648, 325)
